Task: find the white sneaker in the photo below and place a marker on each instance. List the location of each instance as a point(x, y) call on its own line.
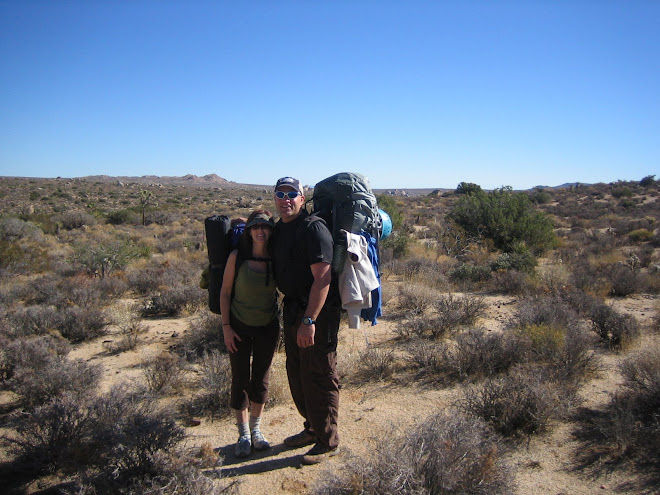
point(243, 447)
point(259, 442)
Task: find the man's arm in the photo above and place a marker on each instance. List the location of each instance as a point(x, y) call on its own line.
point(317, 295)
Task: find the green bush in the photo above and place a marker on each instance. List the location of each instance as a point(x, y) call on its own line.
point(647, 181)
point(398, 243)
point(506, 218)
point(541, 197)
point(120, 217)
point(640, 235)
point(468, 188)
point(467, 272)
point(23, 257)
point(388, 204)
point(103, 258)
point(622, 192)
point(521, 262)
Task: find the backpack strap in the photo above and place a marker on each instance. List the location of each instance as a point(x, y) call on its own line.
point(239, 261)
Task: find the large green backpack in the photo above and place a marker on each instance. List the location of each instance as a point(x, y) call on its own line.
point(345, 202)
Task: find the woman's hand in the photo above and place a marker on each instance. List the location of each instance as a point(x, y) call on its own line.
point(230, 338)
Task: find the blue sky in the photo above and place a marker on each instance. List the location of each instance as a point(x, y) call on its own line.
point(410, 93)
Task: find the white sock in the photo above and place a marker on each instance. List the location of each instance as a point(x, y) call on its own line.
point(243, 429)
point(255, 423)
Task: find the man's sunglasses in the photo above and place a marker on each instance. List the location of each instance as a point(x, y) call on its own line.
point(288, 194)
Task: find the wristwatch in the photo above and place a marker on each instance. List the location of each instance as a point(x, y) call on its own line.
point(308, 321)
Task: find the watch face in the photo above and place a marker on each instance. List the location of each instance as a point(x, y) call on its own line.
point(307, 320)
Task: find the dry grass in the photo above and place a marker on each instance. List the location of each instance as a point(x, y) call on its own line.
point(72, 250)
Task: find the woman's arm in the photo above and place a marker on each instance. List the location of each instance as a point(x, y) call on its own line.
point(228, 332)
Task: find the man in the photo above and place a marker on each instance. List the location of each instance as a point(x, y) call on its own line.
point(302, 253)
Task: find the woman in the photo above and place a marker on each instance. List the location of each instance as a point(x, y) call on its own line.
point(248, 303)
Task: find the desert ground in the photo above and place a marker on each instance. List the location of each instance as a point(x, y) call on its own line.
point(79, 257)
point(543, 464)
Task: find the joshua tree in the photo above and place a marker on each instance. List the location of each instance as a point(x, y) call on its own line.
point(146, 198)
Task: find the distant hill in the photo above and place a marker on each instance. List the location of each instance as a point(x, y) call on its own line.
point(214, 180)
point(186, 180)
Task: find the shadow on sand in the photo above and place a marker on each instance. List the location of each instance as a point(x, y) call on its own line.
point(258, 462)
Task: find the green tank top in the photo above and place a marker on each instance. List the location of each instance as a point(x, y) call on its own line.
point(254, 303)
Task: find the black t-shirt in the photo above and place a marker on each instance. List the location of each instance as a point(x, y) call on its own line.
point(297, 245)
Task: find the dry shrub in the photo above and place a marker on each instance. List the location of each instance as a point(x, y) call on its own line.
point(453, 312)
point(584, 276)
point(75, 323)
point(112, 441)
point(163, 373)
point(175, 300)
point(622, 280)
point(511, 282)
point(477, 354)
point(80, 324)
point(76, 219)
point(52, 377)
point(641, 372)
point(29, 353)
point(519, 403)
point(554, 277)
point(564, 351)
point(204, 335)
point(448, 454)
point(130, 429)
point(614, 329)
point(627, 430)
point(427, 357)
point(81, 291)
point(375, 363)
point(580, 301)
point(51, 436)
point(421, 271)
point(548, 310)
point(145, 279)
point(110, 287)
point(173, 474)
point(215, 384)
point(130, 328)
point(416, 325)
point(278, 385)
point(415, 299)
point(207, 456)
point(450, 313)
point(45, 290)
point(30, 320)
point(13, 229)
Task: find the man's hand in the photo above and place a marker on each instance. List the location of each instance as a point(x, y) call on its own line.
point(306, 335)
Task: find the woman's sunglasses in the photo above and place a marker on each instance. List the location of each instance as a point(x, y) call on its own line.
point(288, 194)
